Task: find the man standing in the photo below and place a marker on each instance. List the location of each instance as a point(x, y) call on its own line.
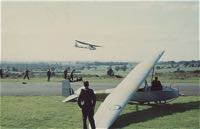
point(87, 102)
point(1, 73)
point(26, 74)
point(72, 75)
point(49, 75)
point(65, 73)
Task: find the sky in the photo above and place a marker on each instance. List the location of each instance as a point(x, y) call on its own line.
point(128, 31)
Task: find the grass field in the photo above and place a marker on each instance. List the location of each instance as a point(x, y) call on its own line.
point(40, 112)
point(60, 79)
point(104, 79)
point(166, 75)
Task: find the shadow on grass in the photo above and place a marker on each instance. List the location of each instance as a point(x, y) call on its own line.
point(153, 112)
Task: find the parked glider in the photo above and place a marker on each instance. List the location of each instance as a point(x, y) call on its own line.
point(80, 44)
point(128, 90)
point(144, 94)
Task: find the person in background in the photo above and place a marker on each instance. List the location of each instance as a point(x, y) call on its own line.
point(156, 84)
point(72, 75)
point(1, 73)
point(26, 74)
point(65, 73)
point(48, 75)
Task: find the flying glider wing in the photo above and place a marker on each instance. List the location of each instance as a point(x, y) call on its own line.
point(93, 45)
point(77, 93)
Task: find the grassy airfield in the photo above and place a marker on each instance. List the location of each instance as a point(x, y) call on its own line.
point(98, 75)
point(42, 112)
point(104, 79)
point(48, 112)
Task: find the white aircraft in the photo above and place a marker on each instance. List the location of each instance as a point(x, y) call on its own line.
point(128, 90)
point(80, 44)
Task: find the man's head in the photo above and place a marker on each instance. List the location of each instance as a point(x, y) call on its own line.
point(156, 78)
point(86, 84)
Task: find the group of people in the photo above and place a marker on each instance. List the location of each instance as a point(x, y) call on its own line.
point(66, 76)
point(49, 74)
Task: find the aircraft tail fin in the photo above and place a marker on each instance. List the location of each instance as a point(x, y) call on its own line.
point(72, 96)
point(66, 88)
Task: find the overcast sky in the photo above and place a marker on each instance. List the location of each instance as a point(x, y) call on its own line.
point(128, 31)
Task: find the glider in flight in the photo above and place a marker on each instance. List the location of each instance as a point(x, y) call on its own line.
point(80, 44)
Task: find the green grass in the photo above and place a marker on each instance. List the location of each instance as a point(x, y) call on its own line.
point(48, 112)
point(182, 113)
point(164, 79)
point(166, 75)
point(32, 79)
point(38, 112)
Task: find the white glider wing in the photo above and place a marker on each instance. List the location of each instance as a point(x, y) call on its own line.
point(71, 97)
point(106, 91)
point(115, 102)
point(93, 45)
point(74, 96)
point(77, 93)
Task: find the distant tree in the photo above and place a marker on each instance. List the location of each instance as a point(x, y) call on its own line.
point(14, 69)
point(88, 67)
point(53, 68)
point(191, 65)
point(82, 68)
point(172, 64)
point(177, 65)
point(158, 67)
point(68, 68)
point(186, 64)
point(117, 68)
point(124, 68)
point(8, 68)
